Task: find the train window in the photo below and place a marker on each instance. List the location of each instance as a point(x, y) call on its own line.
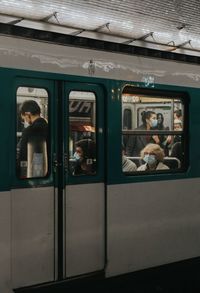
point(31, 132)
point(82, 133)
point(155, 140)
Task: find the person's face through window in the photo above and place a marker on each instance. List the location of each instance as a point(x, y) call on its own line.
point(79, 151)
point(150, 157)
point(177, 127)
point(160, 120)
point(152, 121)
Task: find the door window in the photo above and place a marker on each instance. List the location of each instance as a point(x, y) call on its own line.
point(82, 133)
point(31, 132)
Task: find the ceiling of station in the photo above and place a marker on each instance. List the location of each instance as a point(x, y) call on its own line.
point(170, 25)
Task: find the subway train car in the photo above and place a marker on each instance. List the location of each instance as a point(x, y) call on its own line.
point(59, 224)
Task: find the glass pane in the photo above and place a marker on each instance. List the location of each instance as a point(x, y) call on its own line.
point(153, 123)
point(171, 155)
point(82, 133)
point(32, 132)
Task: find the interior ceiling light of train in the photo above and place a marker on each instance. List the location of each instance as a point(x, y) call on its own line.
point(171, 25)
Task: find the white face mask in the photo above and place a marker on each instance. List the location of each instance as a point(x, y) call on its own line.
point(154, 123)
point(150, 159)
point(76, 156)
point(26, 124)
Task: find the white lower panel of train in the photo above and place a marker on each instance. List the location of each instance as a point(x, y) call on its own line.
point(5, 242)
point(85, 228)
point(148, 224)
point(152, 223)
point(27, 237)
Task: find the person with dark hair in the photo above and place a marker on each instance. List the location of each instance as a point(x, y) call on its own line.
point(85, 156)
point(137, 142)
point(30, 106)
point(34, 134)
point(160, 119)
point(176, 148)
point(165, 140)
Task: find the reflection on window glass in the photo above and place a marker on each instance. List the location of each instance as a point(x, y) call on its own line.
point(82, 128)
point(155, 138)
point(32, 132)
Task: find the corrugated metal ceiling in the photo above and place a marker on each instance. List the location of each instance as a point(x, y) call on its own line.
point(171, 25)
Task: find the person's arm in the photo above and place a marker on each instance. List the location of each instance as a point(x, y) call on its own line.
point(156, 139)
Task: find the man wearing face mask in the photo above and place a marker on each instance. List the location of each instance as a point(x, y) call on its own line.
point(85, 156)
point(35, 131)
point(153, 156)
point(137, 142)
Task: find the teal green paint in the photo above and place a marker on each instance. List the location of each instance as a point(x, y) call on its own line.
point(6, 120)
point(111, 122)
point(115, 175)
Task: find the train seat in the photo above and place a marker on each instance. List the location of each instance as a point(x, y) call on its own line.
point(172, 162)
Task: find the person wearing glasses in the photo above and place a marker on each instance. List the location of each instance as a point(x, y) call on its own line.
point(153, 156)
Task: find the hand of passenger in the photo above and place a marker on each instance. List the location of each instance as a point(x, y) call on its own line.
point(156, 139)
point(169, 139)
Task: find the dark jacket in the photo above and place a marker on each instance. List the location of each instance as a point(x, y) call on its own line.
point(36, 132)
point(81, 168)
point(137, 142)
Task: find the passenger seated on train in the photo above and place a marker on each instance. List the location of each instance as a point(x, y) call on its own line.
point(177, 127)
point(32, 147)
point(153, 156)
point(127, 164)
point(178, 114)
point(176, 146)
point(85, 156)
point(177, 124)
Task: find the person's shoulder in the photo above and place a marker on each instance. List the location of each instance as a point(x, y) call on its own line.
point(141, 127)
point(142, 167)
point(162, 166)
point(128, 165)
point(40, 121)
point(39, 124)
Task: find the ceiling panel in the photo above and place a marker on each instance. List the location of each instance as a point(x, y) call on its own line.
point(174, 24)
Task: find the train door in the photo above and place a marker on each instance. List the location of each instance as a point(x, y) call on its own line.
point(58, 198)
point(83, 204)
point(33, 204)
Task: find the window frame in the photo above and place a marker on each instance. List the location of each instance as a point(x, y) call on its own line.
point(185, 100)
point(99, 91)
